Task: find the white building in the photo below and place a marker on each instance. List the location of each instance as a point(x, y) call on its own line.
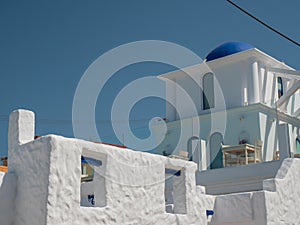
point(241, 95)
point(46, 182)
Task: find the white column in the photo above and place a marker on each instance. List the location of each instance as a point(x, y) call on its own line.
point(203, 165)
point(245, 97)
point(283, 140)
point(196, 152)
point(255, 83)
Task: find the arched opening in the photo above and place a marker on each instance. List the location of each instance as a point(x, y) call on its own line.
point(208, 91)
point(216, 155)
point(298, 145)
point(280, 87)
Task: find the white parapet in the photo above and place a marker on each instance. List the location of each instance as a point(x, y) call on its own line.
point(21, 128)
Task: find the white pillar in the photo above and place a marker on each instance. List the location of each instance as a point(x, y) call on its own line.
point(21, 128)
point(196, 152)
point(283, 141)
point(255, 83)
point(203, 165)
point(245, 97)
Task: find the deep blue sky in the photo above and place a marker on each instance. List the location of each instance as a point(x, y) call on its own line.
point(45, 47)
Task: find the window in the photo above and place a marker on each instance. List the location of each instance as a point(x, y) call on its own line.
point(298, 145)
point(208, 91)
point(280, 86)
point(87, 168)
point(93, 184)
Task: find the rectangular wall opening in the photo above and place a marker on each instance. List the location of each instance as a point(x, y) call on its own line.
point(93, 187)
point(175, 191)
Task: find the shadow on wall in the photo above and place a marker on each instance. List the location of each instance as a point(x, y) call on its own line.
point(8, 190)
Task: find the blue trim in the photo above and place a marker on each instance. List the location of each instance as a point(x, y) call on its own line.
point(173, 172)
point(210, 212)
point(91, 161)
point(91, 199)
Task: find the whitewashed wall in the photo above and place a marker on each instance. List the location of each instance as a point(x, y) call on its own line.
point(8, 191)
point(47, 187)
point(282, 194)
point(276, 204)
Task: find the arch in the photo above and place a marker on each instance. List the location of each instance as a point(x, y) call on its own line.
point(280, 86)
point(208, 91)
point(298, 145)
point(216, 155)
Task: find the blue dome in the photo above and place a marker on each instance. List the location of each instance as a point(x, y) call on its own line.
point(226, 49)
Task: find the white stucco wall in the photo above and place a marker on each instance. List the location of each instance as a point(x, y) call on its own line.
point(134, 184)
point(226, 76)
point(30, 162)
point(230, 74)
point(43, 186)
point(276, 204)
point(282, 194)
point(189, 80)
point(8, 191)
point(245, 208)
point(49, 187)
point(129, 189)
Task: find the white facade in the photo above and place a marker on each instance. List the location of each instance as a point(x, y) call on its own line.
point(245, 107)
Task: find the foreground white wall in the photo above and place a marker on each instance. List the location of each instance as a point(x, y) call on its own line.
point(43, 187)
point(277, 204)
point(282, 195)
point(49, 189)
point(8, 190)
point(246, 208)
point(48, 173)
point(134, 187)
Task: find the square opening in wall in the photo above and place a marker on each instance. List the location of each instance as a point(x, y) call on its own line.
point(175, 191)
point(93, 188)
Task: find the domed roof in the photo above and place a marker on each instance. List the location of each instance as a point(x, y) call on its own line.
point(228, 48)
